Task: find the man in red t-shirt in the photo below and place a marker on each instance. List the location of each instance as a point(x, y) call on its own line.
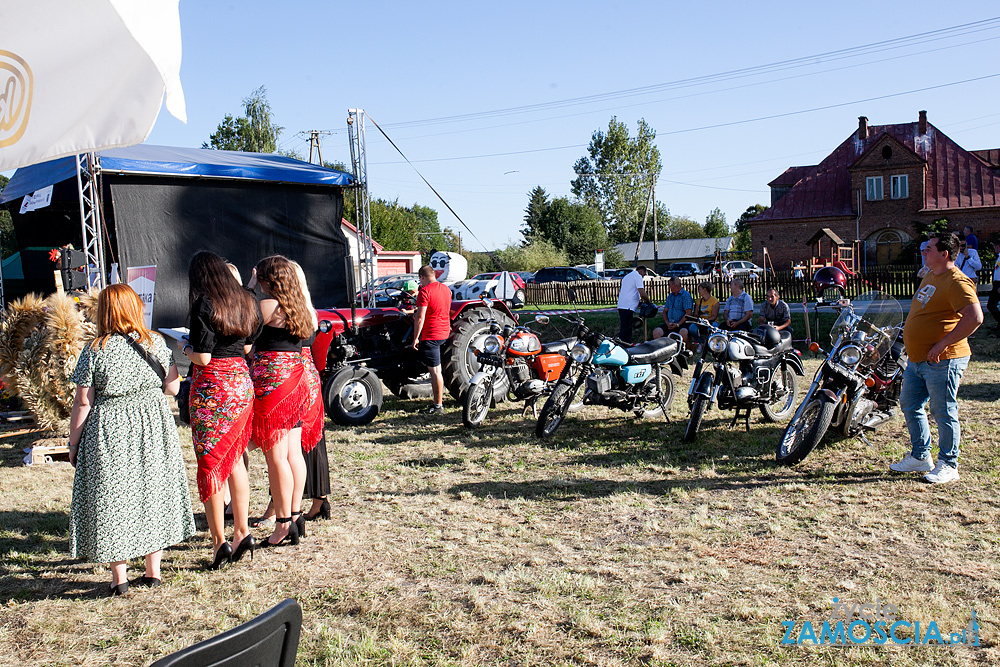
point(431, 328)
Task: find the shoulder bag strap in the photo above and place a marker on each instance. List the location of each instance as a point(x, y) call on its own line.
point(150, 359)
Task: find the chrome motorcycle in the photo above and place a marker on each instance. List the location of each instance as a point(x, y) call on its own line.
point(742, 370)
point(858, 384)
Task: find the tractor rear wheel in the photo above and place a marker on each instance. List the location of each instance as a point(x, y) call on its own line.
point(458, 360)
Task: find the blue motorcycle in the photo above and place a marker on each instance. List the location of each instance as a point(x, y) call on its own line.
point(637, 379)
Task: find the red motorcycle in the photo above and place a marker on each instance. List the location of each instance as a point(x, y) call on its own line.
point(515, 352)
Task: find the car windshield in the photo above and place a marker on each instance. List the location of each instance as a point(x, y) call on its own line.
point(484, 276)
point(588, 273)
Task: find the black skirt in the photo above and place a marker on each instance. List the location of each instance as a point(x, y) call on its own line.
point(317, 471)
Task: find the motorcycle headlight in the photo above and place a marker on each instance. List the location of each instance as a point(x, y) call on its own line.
point(850, 355)
point(491, 344)
point(580, 354)
point(717, 343)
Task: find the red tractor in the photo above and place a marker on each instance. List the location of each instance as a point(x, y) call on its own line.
point(358, 350)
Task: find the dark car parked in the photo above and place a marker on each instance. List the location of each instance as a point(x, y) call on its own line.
point(563, 274)
point(682, 269)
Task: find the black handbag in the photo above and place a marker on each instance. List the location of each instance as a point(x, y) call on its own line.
point(150, 359)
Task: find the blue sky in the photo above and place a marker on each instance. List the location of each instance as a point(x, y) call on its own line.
point(435, 74)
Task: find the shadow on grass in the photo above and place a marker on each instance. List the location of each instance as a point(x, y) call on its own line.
point(580, 488)
point(985, 392)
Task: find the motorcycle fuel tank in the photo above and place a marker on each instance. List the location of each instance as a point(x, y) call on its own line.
point(609, 354)
point(524, 344)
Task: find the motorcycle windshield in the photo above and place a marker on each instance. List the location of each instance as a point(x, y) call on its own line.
point(875, 314)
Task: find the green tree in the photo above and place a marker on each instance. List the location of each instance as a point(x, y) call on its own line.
point(529, 256)
point(715, 224)
point(675, 227)
point(8, 239)
point(616, 177)
point(255, 131)
point(574, 228)
point(397, 227)
point(538, 204)
point(742, 241)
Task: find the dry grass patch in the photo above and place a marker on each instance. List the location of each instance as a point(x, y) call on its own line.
point(613, 544)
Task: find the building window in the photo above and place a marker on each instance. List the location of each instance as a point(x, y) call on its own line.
point(874, 188)
point(900, 187)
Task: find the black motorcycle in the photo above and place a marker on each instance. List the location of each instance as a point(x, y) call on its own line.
point(858, 384)
point(746, 370)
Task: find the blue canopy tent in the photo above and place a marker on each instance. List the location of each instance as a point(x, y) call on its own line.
point(162, 204)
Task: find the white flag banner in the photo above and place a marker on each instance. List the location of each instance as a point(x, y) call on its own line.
point(85, 75)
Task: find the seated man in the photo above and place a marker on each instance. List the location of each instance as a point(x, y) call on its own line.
point(739, 308)
point(707, 308)
point(676, 310)
point(775, 312)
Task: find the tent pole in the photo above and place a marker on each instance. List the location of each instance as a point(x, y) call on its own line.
point(87, 170)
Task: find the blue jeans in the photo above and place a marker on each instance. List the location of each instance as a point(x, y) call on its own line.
point(938, 382)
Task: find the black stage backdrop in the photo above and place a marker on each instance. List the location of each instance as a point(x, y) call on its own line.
point(163, 221)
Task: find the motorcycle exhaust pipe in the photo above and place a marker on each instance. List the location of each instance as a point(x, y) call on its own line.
point(875, 420)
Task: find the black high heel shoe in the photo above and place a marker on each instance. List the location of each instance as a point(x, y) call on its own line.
point(248, 543)
point(322, 513)
point(222, 556)
point(300, 524)
point(292, 536)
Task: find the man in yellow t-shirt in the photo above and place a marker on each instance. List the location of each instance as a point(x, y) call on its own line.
point(944, 312)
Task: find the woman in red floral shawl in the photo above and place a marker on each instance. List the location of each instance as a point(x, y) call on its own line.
point(281, 391)
point(224, 320)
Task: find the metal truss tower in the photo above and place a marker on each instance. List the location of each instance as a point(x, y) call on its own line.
point(362, 209)
point(91, 225)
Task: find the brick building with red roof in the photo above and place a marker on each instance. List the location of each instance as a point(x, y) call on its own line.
point(875, 186)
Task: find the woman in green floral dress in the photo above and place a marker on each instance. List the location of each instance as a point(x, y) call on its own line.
point(130, 492)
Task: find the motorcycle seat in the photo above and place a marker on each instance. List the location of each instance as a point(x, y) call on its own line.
point(655, 351)
point(783, 346)
point(556, 346)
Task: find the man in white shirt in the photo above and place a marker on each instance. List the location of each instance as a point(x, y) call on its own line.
point(968, 261)
point(739, 308)
point(629, 296)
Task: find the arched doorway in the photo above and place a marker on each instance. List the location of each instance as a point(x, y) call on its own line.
point(886, 245)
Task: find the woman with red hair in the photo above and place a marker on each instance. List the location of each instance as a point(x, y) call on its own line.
point(224, 320)
point(130, 492)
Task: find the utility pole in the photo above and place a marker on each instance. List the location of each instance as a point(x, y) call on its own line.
point(314, 143)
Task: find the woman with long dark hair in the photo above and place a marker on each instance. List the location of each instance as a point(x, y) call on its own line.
point(224, 321)
point(130, 492)
point(281, 392)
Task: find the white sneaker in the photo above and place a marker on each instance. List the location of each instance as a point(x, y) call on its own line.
point(942, 473)
point(910, 464)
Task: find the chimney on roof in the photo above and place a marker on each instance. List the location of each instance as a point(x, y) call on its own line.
point(922, 124)
point(862, 127)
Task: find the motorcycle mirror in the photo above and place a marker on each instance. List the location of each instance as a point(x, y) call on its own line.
point(325, 326)
point(572, 295)
point(542, 319)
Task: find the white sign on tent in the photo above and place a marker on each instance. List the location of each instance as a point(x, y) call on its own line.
point(85, 75)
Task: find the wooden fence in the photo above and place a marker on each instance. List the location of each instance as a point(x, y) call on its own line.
point(898, 282)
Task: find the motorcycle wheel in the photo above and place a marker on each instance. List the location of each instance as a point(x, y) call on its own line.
point(666, 390)
point(459, 363)
point(555, 409)
point(782, 408)
point(352, 396)
point(476, 404)
point(803, 434)
point(698, 408)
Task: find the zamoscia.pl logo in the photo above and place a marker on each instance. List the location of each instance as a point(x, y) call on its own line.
point(15, 97)
point(874, 623)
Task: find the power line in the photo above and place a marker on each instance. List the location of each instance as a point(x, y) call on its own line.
point(718, 125)
point(839, 54)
